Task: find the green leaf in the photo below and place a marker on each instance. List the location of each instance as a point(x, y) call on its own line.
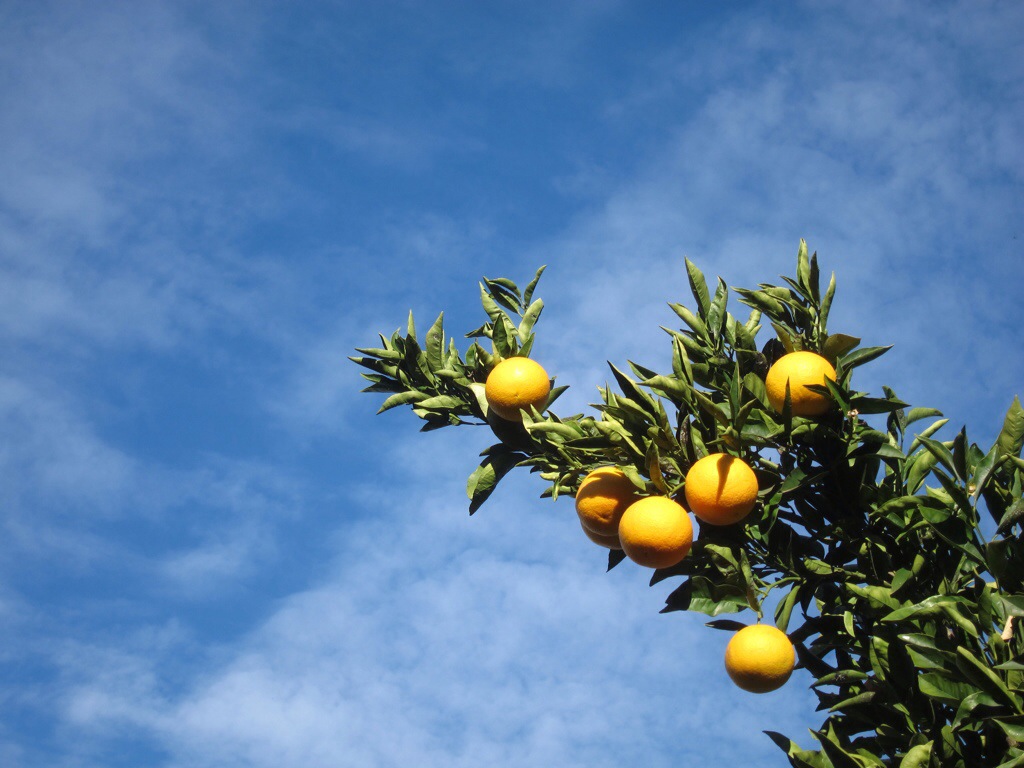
point(1011, 437)
point(837, 345)
point(798, 757)
point(528, 293)
point(698, 593)
point(712, 408)
point(716, 312)
point(785, 608)
point(840, 757)
point(725, 624)
point(916, 414)
point(1012, 516)
point(930, 607)
point(982, 676)
point(490, 306)
point(485, 478)
point(936, 685)
point(918, 469)
point(754, 384)
point(696, 324)
point(633, 392)
point(615, 556)
point(698, 287)
point(763, 302)
point(402, 398)
point(877, 596)
point(930, 430)
point(861, 356)
point(917, 757)
point(441, 402)
point(530, 319)
point(505, 292)
point(803, 268)
point(1018, 736)
point(983, 469)
point(826, 302)
point(866, 405)
point(435, 344)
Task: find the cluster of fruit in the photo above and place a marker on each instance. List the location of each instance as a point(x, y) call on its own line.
point(719, 489)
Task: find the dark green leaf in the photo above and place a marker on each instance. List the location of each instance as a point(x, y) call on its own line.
point(981, 675)
point(725, 624)
point(699, 593)
point(1013, 516)
point(861, 356)
point(615, 556)
point(984, 469)
point(837, 345)
point(935, 685)
point(485, 478)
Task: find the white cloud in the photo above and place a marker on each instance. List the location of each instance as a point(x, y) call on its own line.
point(452, 641)
point(432, 637)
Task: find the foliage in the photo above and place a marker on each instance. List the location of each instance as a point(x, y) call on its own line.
point(865, 540)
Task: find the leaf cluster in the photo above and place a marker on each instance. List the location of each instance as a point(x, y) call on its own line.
point(865, 544)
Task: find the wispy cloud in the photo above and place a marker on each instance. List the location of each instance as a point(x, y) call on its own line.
point(457, 647)
point(265, 575)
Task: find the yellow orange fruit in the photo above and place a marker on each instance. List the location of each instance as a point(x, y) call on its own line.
point(760, 658)
point(656, 532)
point(608, 542)
point(721, 489)
point(516, 383)
point(603, 496)
point(799, 369)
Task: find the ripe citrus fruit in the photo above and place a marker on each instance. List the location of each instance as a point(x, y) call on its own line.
point(760, 658)
point(799, 369)
point(721, 489)
point(515, 383)
point(655, 532)
point(608, 542)
point(603, 496)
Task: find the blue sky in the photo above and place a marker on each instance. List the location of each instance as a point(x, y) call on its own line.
point(213, 554)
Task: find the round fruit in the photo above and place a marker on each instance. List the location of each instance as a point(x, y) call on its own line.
point(515, 383)
point(721, 489)
point(608, 542)
point(799, 369)
point(655, 532)
point(603, 496)
point(760, 658)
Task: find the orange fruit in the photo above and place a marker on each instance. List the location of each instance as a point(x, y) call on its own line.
point(516, 383)
point(655, 532)
point(760, 658)
point(721, 489)
point(603, 496)
point(799, 369)
point(608, 542)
